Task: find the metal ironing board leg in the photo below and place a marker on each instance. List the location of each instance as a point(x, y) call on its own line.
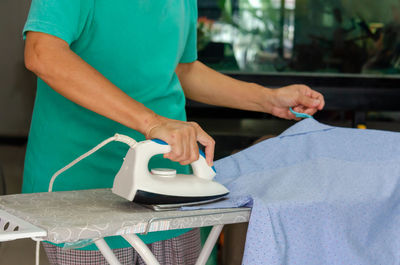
point(148, 257)
point(142, 249)
point(209, 245)
point(107, 252)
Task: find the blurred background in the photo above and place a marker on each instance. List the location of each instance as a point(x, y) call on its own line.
point(349, 50)
point(314, 36)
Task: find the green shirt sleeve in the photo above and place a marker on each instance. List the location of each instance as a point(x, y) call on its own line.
point(65, 19)
point(190, 52)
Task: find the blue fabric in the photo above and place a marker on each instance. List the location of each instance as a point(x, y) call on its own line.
point(320, 195)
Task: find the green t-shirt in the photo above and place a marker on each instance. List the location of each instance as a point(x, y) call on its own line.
point(137, 46)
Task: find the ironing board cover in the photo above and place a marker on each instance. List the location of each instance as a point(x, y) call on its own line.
point(70, 216)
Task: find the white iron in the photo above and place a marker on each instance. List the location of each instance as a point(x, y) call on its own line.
point(135, 182)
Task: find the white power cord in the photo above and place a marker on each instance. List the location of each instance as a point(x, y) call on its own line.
point(117, 137)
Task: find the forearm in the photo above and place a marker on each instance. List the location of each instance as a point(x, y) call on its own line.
point(202, 84)
point(76, 80)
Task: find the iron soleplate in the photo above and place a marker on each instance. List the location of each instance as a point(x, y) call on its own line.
point(145, 197)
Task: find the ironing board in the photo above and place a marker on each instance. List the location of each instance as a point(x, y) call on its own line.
point(73, 216)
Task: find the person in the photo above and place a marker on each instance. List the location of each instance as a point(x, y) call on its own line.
point(126, 66)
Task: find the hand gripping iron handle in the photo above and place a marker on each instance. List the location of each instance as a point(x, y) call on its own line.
point(200, 167)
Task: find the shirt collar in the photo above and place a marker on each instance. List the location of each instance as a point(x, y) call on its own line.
point(305, 126)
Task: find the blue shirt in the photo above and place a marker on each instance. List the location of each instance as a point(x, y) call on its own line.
point(320, 195)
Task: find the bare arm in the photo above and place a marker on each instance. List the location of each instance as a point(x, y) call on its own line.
point(52, 60)
point(205, 85)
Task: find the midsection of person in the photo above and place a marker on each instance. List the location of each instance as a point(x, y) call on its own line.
point(137, 46)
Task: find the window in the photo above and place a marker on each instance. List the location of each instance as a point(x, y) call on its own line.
point(360, 37)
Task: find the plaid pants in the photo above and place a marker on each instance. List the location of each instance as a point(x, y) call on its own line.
point(181, 250)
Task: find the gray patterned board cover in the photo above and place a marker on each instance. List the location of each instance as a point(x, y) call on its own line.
point(70, 216)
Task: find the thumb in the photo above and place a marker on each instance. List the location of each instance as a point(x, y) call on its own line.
point(308, 102)
point(209, 144)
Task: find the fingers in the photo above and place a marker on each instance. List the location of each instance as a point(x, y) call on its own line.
point(311, 110)
point(305, 110)
point(183, 138)
point(320, 97)
point(191, 150)
point(287, 114)
point(308, 101)
point(208, 142)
